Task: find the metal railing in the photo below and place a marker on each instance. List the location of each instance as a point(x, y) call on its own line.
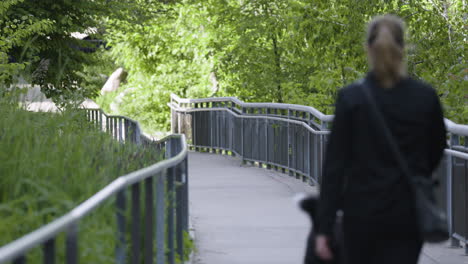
point(292, 138)
point(165, 210)
point(453, 173)
point(285, 137)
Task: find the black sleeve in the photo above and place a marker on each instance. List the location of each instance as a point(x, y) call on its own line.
point(438, 135)
point(337, 154)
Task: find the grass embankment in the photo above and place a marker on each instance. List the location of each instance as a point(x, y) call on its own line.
point(49, 163)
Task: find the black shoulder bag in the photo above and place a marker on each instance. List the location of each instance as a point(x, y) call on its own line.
point(432, 221)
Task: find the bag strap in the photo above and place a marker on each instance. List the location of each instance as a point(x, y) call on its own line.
point(388, 136)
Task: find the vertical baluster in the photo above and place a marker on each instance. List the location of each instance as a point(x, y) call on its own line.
point(120, 256)
point(126, 128)
point(149, 220)
point(111, 127)
point(194, 130)
point(20, 260)
point(267, 147)
point(316, 162)
point(307, 164)
point(170, 216)
point(465, 203)
point(180, 211)
point(185, 177)
point(170, 207)
point(212, 124)
point(120, 130)
point(71, 244)
point(115, 128)
point(453, 240)
point(160, 218)
point(48, 250)
point(107, 125)
point(95, 118)
point(136, 232)
point(464, 163)
point(100, 121)
point(288, 148)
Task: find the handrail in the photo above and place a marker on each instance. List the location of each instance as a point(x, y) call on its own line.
point(451, 126)
point(295, 107)
point(292, 121)
point(18, 247)
point(455, 128)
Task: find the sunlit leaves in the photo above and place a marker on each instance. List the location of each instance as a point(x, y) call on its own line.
point(281, 51)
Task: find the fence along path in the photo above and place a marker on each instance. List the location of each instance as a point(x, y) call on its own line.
point(292, 138)
point(158, 236)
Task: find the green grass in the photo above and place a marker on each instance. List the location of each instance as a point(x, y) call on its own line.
point(49, 163)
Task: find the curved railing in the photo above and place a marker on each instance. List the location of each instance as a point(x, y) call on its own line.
point(292, 138)
point(165, 199)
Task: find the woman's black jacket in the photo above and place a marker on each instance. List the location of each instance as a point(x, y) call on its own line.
point(360, 173)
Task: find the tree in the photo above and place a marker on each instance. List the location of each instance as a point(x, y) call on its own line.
point(292, 51)
point(17, 30)
point(43, 43)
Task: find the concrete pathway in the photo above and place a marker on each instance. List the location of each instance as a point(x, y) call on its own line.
point(247, 215)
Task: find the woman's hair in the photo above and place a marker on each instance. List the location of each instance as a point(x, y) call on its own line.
point(385, 41)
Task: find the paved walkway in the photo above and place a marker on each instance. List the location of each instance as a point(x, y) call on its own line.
point(246, 215)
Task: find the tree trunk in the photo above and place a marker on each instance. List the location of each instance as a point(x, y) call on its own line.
point(279, 92)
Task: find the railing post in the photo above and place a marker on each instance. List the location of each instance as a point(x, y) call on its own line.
point(120, 138)
point(71, 244)
point(179, 211)
point(257, 141)
point(136, 230)
point(120, 215)
point(185, 177)
point(101, 114)
point(242, 133)
point(115, 128)
point(149, 215)
point(466, 199)
point(307, 158)
point(170, 151)
point(20, 260)
point(267, 149)
point(289, 147)
point(49, 251)
point(453, 241)
point(108, 129)
point(194, 129)
point(160, 218)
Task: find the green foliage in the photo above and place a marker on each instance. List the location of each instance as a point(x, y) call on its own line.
point(17, 30)
point(280, 51)
point(36, 36)
point(50, 164)
point(164, 51)
point(292, 51)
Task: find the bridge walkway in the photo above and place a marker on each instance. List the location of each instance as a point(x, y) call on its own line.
point(246, 215)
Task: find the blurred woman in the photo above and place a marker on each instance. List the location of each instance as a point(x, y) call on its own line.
point(361, 175)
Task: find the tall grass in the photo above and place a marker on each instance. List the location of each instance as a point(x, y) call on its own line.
point(49, 163)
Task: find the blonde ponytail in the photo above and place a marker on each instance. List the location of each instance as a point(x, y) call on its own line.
point(386, 49)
